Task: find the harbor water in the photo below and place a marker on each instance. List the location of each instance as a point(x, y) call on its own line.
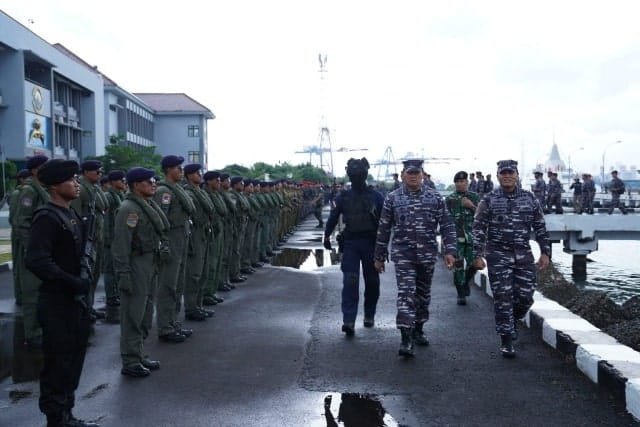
point(613, 268)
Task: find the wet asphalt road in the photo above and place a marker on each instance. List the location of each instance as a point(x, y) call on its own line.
point(274, 350)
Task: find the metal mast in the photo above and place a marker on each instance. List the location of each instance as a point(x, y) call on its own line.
point(324, 135)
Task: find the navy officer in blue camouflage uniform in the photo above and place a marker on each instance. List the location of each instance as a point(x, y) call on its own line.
point(501, 232)
point(360, 208)
point(413, 212)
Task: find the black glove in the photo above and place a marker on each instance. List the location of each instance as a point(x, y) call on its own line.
point(327, 243)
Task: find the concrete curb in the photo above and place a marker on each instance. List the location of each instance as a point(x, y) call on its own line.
point(612, 366)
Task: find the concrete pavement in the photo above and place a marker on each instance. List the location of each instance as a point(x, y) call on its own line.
point(274, 350)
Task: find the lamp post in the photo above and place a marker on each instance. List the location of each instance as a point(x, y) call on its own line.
point(570, 171)
point(603, 154)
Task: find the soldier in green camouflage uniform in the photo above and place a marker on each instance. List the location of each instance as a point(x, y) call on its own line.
point(213, 277)
point(178, 208)
point(21, 179)
point(31, 196)
point(230, 232)
point(201, 236)
point(462, 206)
point(241, 220)
point(251, 235)
point(92, 201)
point(115, 196)
point(138, 247)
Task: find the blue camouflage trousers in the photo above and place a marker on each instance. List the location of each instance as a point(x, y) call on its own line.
point(356, 252)
point(414, 292)
point(513, 281)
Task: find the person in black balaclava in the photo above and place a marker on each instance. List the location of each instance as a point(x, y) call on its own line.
point(360, 208)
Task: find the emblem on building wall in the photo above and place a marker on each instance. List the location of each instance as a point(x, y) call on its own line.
point(37, 99)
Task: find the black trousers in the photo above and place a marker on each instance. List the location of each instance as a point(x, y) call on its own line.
point(65, 331)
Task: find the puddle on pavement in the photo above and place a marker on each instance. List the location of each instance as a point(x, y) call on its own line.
point(355, 410)
point(306, 259)
point(16, 360)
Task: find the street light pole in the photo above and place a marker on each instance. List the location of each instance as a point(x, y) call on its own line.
point(570, 171)
point(603, 154)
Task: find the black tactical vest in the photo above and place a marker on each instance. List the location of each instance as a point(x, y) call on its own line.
point(359, 212)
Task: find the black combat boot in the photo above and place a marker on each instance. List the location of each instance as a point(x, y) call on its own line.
point(506, 346)
point(419, 338)
point(406, 347)
point(348, 328)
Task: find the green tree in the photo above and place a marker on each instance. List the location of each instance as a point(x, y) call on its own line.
point(10, 172)
point(124, 158)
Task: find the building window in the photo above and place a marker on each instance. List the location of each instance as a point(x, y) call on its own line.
point(193, 157)
point(194, 131)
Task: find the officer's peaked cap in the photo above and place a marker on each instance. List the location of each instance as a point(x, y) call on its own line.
point(511, 165)
point(412, 165)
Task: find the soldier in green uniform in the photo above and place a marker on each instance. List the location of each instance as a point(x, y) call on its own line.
point(213, 278)
point(201, 236)
point(115, 196)
point(250, 236)
point(138, 246)
point(241, 220)
point(21, 179)
point(92, 201)
point(230, 231)
point(31, 196)
point(462, 206)
point(178, 208)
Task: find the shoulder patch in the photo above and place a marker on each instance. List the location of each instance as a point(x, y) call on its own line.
point(132, 220)
point(166, 198)
point(26, 201)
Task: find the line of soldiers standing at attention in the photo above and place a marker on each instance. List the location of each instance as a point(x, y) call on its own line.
point(550, 194)
point(185, 237)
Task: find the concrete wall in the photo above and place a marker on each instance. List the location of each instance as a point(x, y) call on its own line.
point(171, 135)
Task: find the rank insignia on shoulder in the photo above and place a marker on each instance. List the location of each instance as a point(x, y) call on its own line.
point(166, 198)
point(132, 220)
point(26, 201)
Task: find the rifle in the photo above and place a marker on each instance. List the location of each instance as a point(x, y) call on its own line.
point(88, 260)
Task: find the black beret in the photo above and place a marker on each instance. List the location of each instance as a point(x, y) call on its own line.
point(536, 173)
point(116, 175)
point(236, 179)
point(36, 161)
point(104, 180)
point(412, 165)
point(614, 171)
point(90, 165)
point(171, 161)
point(192, 168)
point(24, 173)
point(460, 175)
point(224, 176)
point(208, 176)
point(56, 171)
point(139, 174)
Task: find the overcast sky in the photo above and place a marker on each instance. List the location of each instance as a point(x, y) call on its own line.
point(476, 80)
